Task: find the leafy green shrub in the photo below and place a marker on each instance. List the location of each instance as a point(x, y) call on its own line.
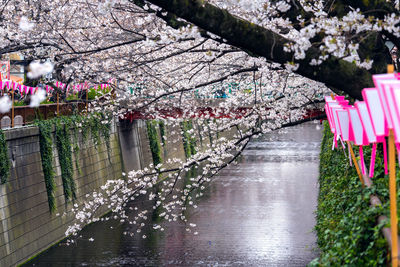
point(72, 97)
point(97, 92)
point(46, 102)
point(347, 230)
point(19, 103)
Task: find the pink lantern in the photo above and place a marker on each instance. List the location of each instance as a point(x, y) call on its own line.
point(329, 99)
point(386, 89)
point(358, 133)
point(377, 115)
point(366, 121)
point(375, 110)
point(380, 80)
point(344, 124)
point(331, 115)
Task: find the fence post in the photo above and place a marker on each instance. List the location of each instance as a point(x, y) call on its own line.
point(12, 108)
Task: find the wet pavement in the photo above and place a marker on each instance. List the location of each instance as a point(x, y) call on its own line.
point(257, 213)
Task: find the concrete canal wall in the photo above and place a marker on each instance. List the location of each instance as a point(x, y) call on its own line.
point(27, 226)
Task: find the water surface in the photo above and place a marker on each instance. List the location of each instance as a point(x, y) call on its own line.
point(257, 213)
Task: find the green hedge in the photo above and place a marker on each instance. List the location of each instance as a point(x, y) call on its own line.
point(347, 230)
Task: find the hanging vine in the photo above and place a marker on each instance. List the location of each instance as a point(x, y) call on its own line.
point(63, 142)
point(155, 149)
point(154, 144)
point(4, 160)
point(192, 138)
point(85, 128)
point(94, 123)
point(46, 153)
point(189, 142)
point(99, 126)
point(209, 131)
point(105, 130)
point(199, 131)
point(76, 121)
point(161, 125)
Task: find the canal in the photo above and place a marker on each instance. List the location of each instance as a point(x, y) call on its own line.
point(257, 213)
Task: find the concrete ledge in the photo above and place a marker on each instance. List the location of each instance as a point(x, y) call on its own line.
point(21, 132)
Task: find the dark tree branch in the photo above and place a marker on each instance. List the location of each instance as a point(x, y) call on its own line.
point(336, 73)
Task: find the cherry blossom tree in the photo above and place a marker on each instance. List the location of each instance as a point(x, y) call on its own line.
point(177, 54)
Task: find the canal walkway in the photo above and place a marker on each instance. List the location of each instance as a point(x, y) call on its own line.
point(257, 213)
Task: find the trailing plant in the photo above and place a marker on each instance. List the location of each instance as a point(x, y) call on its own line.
point(155, 149)
point(189, 142)
point(346, 227)
point(209, 131)
point(216, 122)
point(154, 143)
point(161, 125)
point(105, 129)
point(199, 131)
point(63, 142)
point(94, 123)
point(97, 124)
point(46, 154)
point(76, 122)
point(85, 128)
point(4, 159)
point(192, 138)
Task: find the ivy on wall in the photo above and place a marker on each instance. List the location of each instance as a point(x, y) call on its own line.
point(97, 124)
point(100, 126)
point(4, 160)
point(94, 126)
point(216, 123)
point(347, 230)
point(189, 142)
point(199, 132)
point(63, 143)
point(155, 149)
point(76, 122)
point(161, 125)
point(209, 131)
point(105, 130)
point(154, 143)
point(46, 153)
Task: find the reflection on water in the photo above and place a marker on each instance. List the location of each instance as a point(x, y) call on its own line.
point(257, 213)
